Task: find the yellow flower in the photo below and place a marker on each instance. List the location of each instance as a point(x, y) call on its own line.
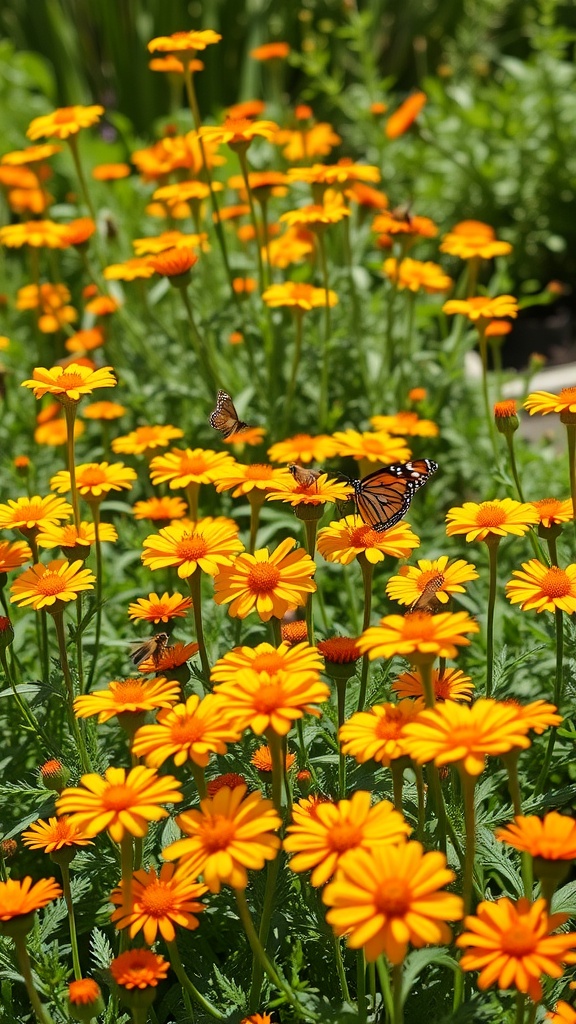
point(13, 554)
point(183, 41)
point(319, 492)
point(159, 609)
point(230, 833)
point(472, 238)
point(384, 898)
point(552, 511)
point(190, 731)
point(161, 899)
point(71, 538)
point(103, 411)
point(69, 383)
point(146, 439)
point(267, 583)
point(552, 837)
point(95, 480)
point(208, 544)
point(543, 588)
point(390, 222)
point(305, 143)
point(182, 467)
point(416, 275)
point(545, 403)
point(482, 307)
point(418, 635)
point(262, 701)
point(451, 684)
point(54, 834)
point(300, 660)
point(379, 447)
point(65, 121)
point(121, 802)
point(495, 518)
point(317, 216)
point(405, 423)
point(127, 697)
point(300, 296)
point(37, 233)
point(258, 476)
point(134, 269)
point(153, 244)
point(160, 509)
point(437, 577)
point(19, 898)
point(320, 842)
point(340, 174)
point(239, 131)
point(378, 734)
point(342, 541)
point(33, 513)
point(45, 586)
point(303, 448)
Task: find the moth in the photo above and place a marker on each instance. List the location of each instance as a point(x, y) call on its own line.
point(304, 476)
point(153, 648)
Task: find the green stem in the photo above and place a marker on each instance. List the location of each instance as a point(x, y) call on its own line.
point(311, 528)
point(275, 744)
point(276, 630)
point(25, 967)
point(397, 974)
point(492, 543)
point(520, 1007)
point(361, 987)
point(199, 779)
point(421, 802)
point(367, 574)
point(192, 493)
point(513, 465)
point(558, 688)
point(298, 316)
point(27, 715)
point(571, 434)
point(59, 624)
point(79, 658)
point(95, 508)
point(64, 868)
point(372, 983)
point(386, 987)
point(324, 374)
point(256, 499)
point(73, 143)
point(264, 930)
point(341, 697)
point(468, 788)
point(70, 412)
point(427, 684)
point(486, 395)
point(127, 861)
point(340, 969)
point(397, 770)
point(200, 347)
point(246, 175)
point(511, 763)
point(195, 584)
point(187, 985)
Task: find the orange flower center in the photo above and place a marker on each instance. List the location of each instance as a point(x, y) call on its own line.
point(118, 798)
point(418, 626)
point(64, 115)
point(218, 833)
point(61, 831)
point(238, 125)
point(548, 507)
point(93, 475)
point(157, 900)
point(191, 548)
point(269, 698)
point(442, 688)
point(518, 941)
point(568, 394)
point(148, 433)
point(68, 381)
point(263, 577)
point(372, 444)
point(364, 537)
point(50, 583)
point(344, 836)
point(32, 511)
point(431, 580)
point(259, 471)
point(556, 583)
point(194, 465)
point(390, 726)
point(394, 900)
point(189, 731)
point(269, 662)
point(502, 410)
point(490, 514)
point(129, 691)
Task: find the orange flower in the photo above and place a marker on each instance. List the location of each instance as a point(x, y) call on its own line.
point(552, 511)
point(483, 307)
point(379, 447)
point(304, 144)
point(339, 650)
point(268, 583)
point(342, 541)
point(153, 245)
point(245, 479)
point(295, 245)
point(416, 275)
point(543, 588)
point(172, 657)
point(127, 697)
point(230, 833)
point(405, 423)
point(121, 802)
point(564, 1014)
point(418, 636)
point(490, 519)
point(229, 780)
point(159, 609)
point(136, 268)
point(85, 341)
point(160, 509)
point(182, 41)
point(303, 448)
point(472, 239)
point(187, 732)
point(271, 51)
point(208, 544)
point(85, 992)
point(102, 305)
point(53, 835)
point(18, 898)
point(390, 222)
point(65, 121)
point(407, 112)
point(317, 216)
point(182, 467)
point(139, 969)
point(111, 172)
point(512, 944)
point(31, 154)
point(161, 899)
point(320, 842)
point(68, 385)
point(300, 297)
point(146, 439)
point(318, 492)
point(95, 480)
point(103, 411)
point(438, 578)
point(174, 262)
point(378, 734)
point(299, 661)
point(384, 898)
point(262, 761)
point(451, 684)
point(239, 131)
point(80, 230)
point(545, 403)
point(335, 175)
point(261, 701)
point(13, 554)
point(46, 586)
point(552, 837)
point(33, 513)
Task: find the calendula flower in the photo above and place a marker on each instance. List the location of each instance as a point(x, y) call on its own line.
point(342, 541)
point(54, 834)
point(261, 701)
point(229, 780)
point(437, 576)
point(318, 492)
point(406, 424)
point(78, 231)
point(139, 969)
point(175, 262)
point(111, 172)
point(161, 899)
point(400, 121)
point(552, 511)
point(339, 650)
point(271, 51)
point(55, 432)
point(64, 122)
point(156, 608)
point(375, 447)
point(543, 402)
point(249, 435)
point(239, 131)
point(299, 296)
point(18, 898)
point(70, 383)
point(181, 191)
point(75, 539)
point(121, 802)
point(320, 842)
point(378, 734)
point(511, 944)
point(294, 632)
point(246, 108)
point(258, 476)
point(300, 660)
point(95, 480)
point(455, 732)
point(295, 245)
point(490, 519)
point(552, 837)
point(13, 554)
point(172, 657)
point(394, 222)
point(127, 696)
point(146, 439)
point(182, 467)
point(418, 635)
point(138, 268)
point(451, 684)
point(563, 1014)
point(85, 341)
point(160, 509)
point(232, 832)
point(103, 411)
point(40, 234)
point(386, 898)
point(317, 216)
point(153, 244)
point(542, 588)
point(263, 763)
point(482, 307)
point(187, 732)
point(340, 174)
point(208, 544)
point(85, 992)
point(303, 448)
point(33, 513)
point(102, 305)
point(31, 154)
point(45, 586)
point(416, 275)
point(183, 41)
point(306, 143)
point(267, 583)
point(472, 239)
point(538, 715)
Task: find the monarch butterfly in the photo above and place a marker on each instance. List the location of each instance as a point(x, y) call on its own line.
point(153, 648)
point(383, 498)
point(224, 418)
point(304, 476)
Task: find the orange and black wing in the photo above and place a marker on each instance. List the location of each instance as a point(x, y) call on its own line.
point(225, 418)
point(383, 497)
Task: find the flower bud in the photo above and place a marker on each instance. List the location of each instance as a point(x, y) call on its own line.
point(505, 417)
point(84, 1000)
point(6, 632)
point(54, 775)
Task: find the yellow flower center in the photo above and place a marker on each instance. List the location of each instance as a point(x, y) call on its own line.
point(364, 537)
point(269, 698)
point(394, 900)
point(259, 471)
point(191, 548)
point(92, 476)
point(372, 444)
point(128, 691)
point(118, 798)
point(157, 900)
point(344, 836)
point(490, 514)
point(50, 583)
point(193, 465)
point(388, 727)
point(68, 381)
point(431, 580)
point(33, 510)
point(218, 833)
point(418, 626)
point(556, 583)
point(63, 115)
point(269, 662)
point(187, 732)
point(518, 941)
point(263, 577)
point(568, 394)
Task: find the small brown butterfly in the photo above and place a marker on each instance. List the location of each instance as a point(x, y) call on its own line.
point(403, 213)
point(153, 648)
point(304, 476)
point(427, 598)
point(225, 419)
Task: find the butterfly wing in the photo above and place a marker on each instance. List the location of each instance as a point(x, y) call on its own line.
point(383, 497)
point(304, 476)
point(224, 418)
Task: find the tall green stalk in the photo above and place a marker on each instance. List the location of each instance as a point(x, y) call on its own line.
point(195, 584)
point(492, 543)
